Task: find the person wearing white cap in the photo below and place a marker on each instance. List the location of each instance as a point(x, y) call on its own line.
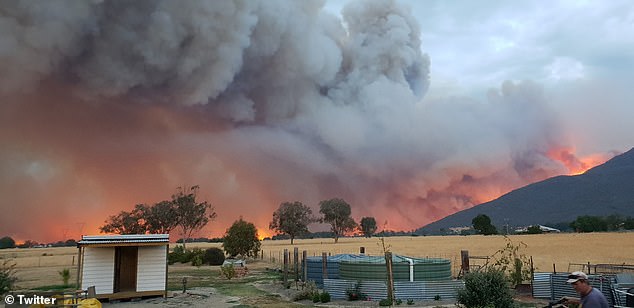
point(590, 297)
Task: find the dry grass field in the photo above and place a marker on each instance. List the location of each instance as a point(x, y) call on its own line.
point(38, 267)
point(546, 249)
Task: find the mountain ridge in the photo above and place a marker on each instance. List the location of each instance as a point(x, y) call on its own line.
point(602, 190)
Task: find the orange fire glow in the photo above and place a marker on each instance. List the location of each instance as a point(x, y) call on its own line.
point(576, 165)
point(263, 233)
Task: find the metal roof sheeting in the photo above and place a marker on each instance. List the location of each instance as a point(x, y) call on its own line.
point(123, 239)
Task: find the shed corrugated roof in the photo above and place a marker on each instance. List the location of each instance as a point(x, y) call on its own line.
point(123, 239)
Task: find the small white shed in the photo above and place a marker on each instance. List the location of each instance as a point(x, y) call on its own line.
point(123, 266)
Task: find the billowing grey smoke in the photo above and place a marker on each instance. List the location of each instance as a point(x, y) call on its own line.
point(108, 104)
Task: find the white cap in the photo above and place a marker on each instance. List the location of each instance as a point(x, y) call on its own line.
point(576, 276)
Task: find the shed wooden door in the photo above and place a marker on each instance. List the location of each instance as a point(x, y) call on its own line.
point(126, 259)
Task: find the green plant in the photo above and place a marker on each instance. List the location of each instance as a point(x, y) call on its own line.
point(399, 301)
point(7, 276)
point(316, 298)
point(214, 256)
point(385, 302)
point(65, 274)
point(354, 293)
point(437, 297)
point(177, 255)
point(410, 301)
point(197, 260)
point(308, 292)
point(512, 262)
point(325, 297)
point(485, 289)
point(228, 271)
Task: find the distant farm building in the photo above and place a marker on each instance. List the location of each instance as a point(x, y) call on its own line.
point(124, 266)
point(544, 229)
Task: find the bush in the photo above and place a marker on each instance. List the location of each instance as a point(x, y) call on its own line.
point(214, 256)
point(7, 276)
point(65, 274)
point(182, 255)
point(316, 298)
point(485, 289)
point(228, 271)
point(177, 255)
point(437, 297)
point(355, 294)
point(399, 301)
point(385, 302)
point(325, 297)
point(410, 302)
point(197, 260)
point(308, 292)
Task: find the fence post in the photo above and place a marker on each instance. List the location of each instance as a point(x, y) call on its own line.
point(296, 263)
point(305, 265)
point(324, 266)
point(285, 269)
point(464, 257)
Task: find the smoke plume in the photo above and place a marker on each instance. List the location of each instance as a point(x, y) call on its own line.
point(106, 104)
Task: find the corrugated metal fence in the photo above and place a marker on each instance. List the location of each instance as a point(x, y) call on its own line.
point(553, 286)
point(418, 290)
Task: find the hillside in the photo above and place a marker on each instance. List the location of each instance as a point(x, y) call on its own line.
point(603, 190)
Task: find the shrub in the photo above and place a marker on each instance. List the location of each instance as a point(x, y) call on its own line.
point(325, 297)
point(354, 293)
point(308, 292)
point(512, 262)
point(228, 271)
point(385, 302)
point(182, 255)
point(485, 289)
point(410, 301)
point(197, 260)
point(65, 274)
point(7, 276)
point(214, 256)
point(399, 301)
point(437, 297)
point(316, 298)
point(177, 255)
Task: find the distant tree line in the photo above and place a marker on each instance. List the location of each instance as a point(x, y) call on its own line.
point(602, 223)
point(291, 220)
point(8, 242)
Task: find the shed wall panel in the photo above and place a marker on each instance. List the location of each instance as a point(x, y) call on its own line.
point(151, 268)
point(98, 269)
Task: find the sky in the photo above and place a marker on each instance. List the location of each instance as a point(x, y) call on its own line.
point(408, 110)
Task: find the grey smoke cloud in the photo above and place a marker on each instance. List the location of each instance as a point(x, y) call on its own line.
point(258, 102)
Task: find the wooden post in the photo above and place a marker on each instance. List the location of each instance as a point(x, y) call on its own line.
point(296, 263)
point(554, 269)
point(464, 257)
point(305, 266)
point(285, 269)
point(324, 265)
point(390, 276)
point(79, 267)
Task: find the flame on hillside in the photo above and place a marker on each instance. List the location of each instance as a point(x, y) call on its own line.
point(576, 165)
